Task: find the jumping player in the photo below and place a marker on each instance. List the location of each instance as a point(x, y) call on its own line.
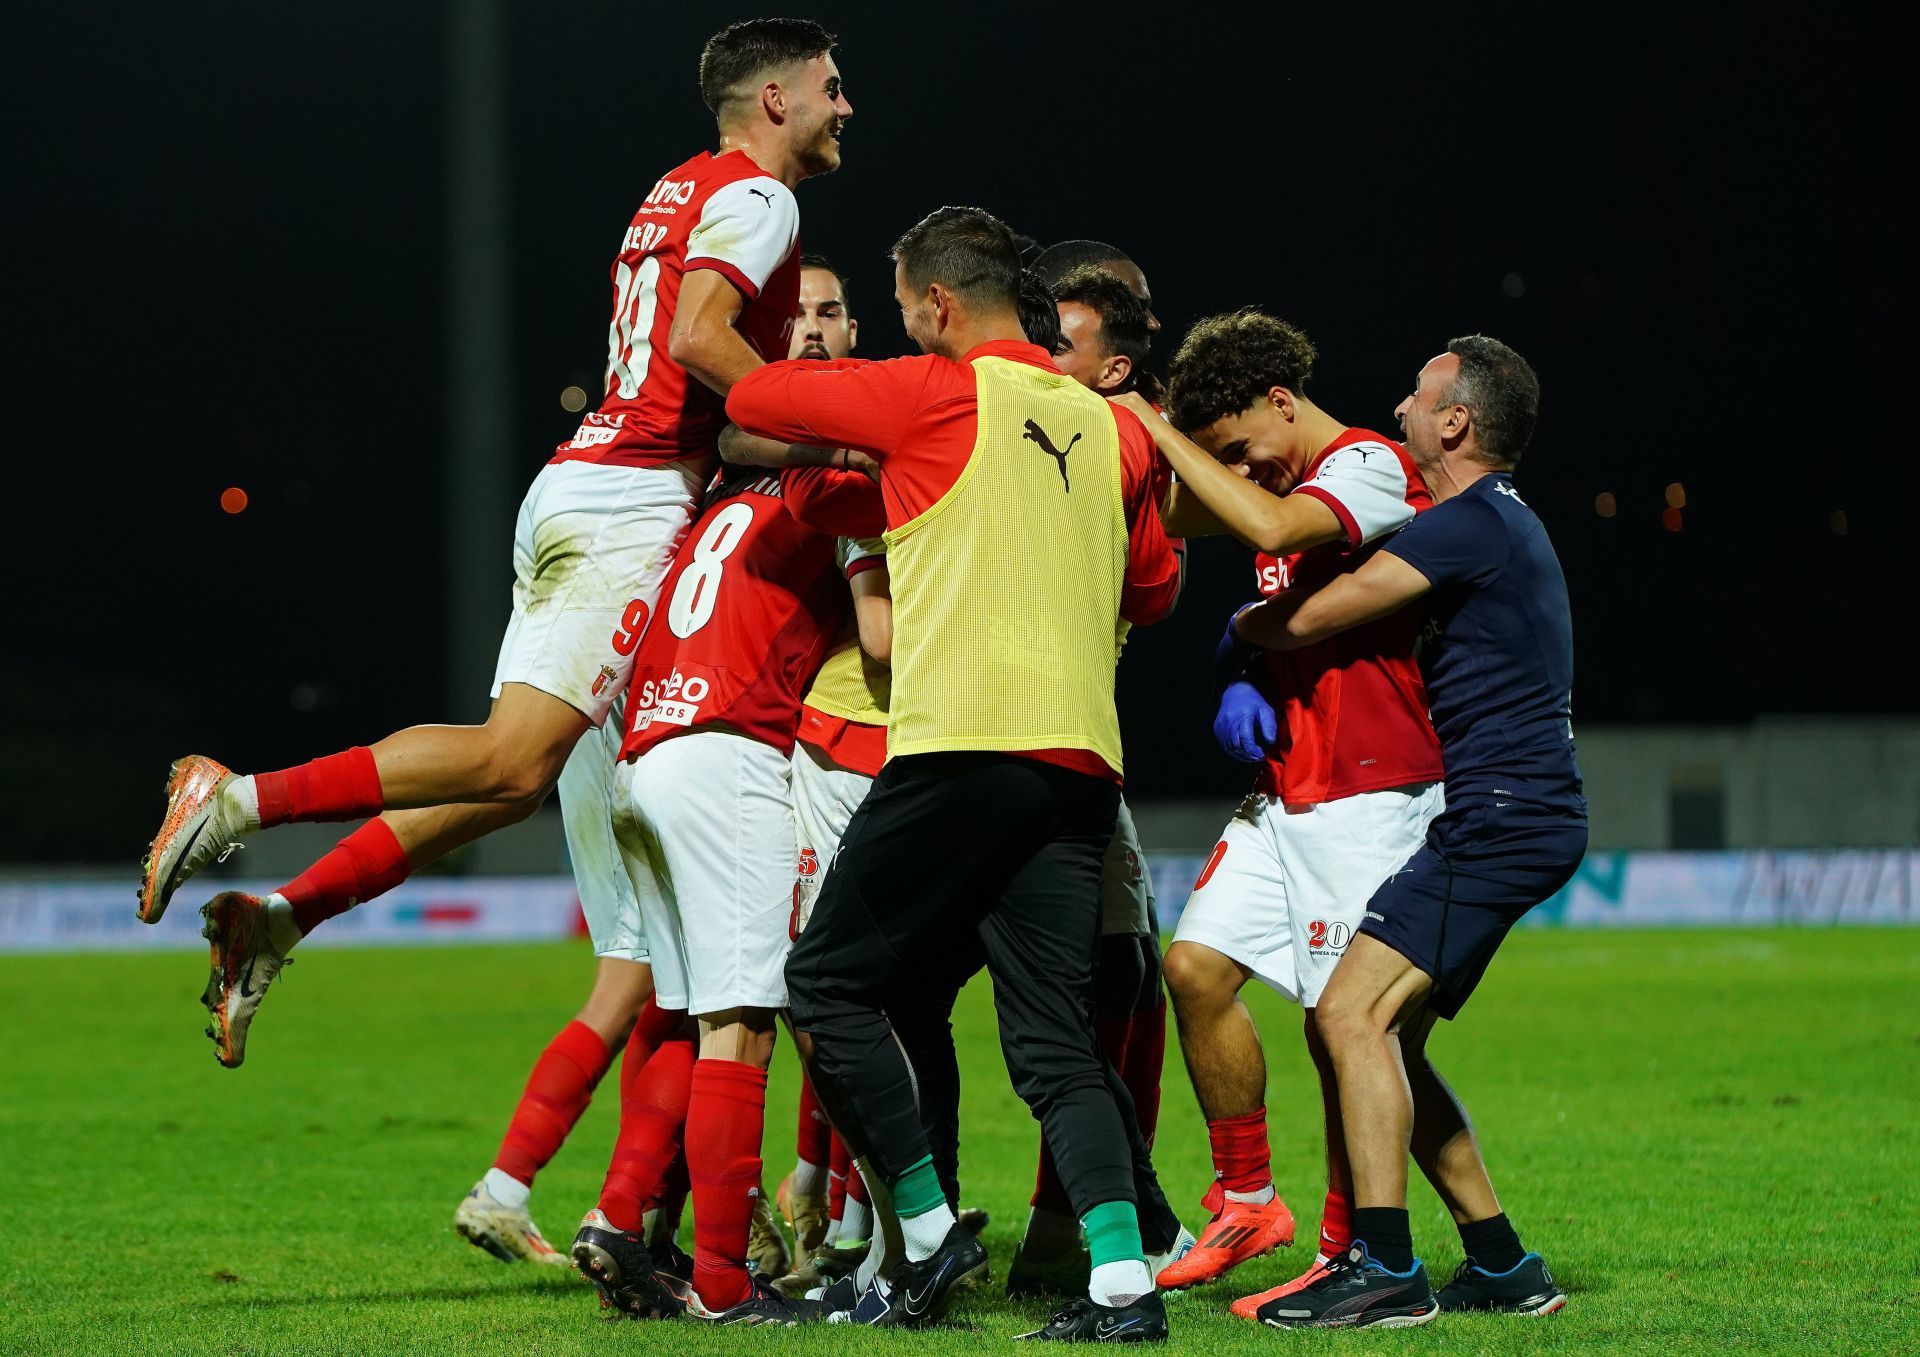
point(704, 288)
point(1499, 671)
point(1349, 766)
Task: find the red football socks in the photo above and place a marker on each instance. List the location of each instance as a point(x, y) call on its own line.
point(724, 1125)
point(338, 787)
point(368, 862)
point(839, 1164)
point(815, 1134)
point(1146, 1058)
point(1336, 1224)
point(1240, 1154)
point(557, 1093)
point(654, 1093)
point(857, 1184)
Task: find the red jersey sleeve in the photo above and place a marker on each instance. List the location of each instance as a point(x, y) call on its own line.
point(838, 404)
point(844, 503)
point(1152, 583)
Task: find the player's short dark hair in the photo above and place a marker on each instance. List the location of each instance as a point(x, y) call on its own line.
point(1501, 393)
point(741, 52)
point(1039, 316)
point(1123, 316)
point(1057, 261)
point(820, 261)
point(967, 250)
point(1227, 363)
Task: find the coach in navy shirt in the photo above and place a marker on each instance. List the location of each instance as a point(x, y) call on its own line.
point(1498, 661)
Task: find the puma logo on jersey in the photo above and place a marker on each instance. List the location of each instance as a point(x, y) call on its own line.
point(1037, 435)
point(758, 194)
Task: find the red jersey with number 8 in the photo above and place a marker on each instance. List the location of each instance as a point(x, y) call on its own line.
point(715, 212)
point(748, 610)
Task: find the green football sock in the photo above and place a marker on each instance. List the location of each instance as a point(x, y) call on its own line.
point(1113, 1233)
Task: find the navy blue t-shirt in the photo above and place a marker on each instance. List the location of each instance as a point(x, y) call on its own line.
point(1498, 649)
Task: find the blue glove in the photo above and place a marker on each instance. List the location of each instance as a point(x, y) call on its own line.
point(1233, 657)
point(1246, 723)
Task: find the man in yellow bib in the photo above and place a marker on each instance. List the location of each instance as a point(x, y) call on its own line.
point(1021, 532)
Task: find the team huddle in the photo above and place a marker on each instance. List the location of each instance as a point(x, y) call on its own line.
point(784, 619)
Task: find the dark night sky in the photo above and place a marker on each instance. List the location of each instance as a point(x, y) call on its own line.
point(227, 245)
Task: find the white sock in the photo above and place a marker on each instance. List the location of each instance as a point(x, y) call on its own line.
point(1050, 1234)
point(1260, 1198)
point(649, 1219)
point(283, 932)
point(923, 1234)
point(509, 1191)
point(245, 798)
point(869, 1270)
point(833, 1232)
point(854, 1221)
point(1121, 1283)
point(809, 1180)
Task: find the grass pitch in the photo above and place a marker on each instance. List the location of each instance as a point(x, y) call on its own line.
point(1711, 1135)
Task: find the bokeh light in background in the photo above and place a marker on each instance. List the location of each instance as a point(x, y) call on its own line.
point(573, 400)
point(233, 500)
point(1605, 505)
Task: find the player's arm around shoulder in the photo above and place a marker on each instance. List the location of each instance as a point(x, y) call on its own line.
point(845, 403)
point(1226, 500)
point(1297, 617)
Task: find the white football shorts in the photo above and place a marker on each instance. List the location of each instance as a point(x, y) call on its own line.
point(590, 549)
point(825, 795)
point(1126, 886)
point(586, 790)
point(705, 824)
point(1283, 891)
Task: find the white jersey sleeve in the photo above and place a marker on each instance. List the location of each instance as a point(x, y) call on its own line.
point(860, 553)
point(1365, 484)
point(746, 231)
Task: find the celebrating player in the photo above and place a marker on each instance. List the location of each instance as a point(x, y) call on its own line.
point(1103, 343)
point(753, 600)
point(1002, 717)
point(1349, 766)
point(1499, 672)
point(705, 284)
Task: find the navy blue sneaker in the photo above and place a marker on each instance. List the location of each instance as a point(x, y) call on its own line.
point(1526, 1288)
point(1355, 1292)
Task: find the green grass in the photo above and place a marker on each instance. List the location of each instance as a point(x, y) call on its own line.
point(1712, 1136)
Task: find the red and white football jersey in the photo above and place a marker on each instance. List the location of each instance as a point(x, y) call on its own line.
point(1353, 708)
point(715, 212)
point(747, 612)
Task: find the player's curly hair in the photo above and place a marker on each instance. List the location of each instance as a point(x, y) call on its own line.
point(1501, 394)
point(1227, 363)
point(739, 52)
point(1123, 316)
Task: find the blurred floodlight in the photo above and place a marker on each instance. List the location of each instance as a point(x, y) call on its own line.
point(573, 400)
point(1514, 286)
point(304, 697)
point(233, 499)
point(1670, 519)
point(1605, 505)
point(1837, 520)
point(1676, 496)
